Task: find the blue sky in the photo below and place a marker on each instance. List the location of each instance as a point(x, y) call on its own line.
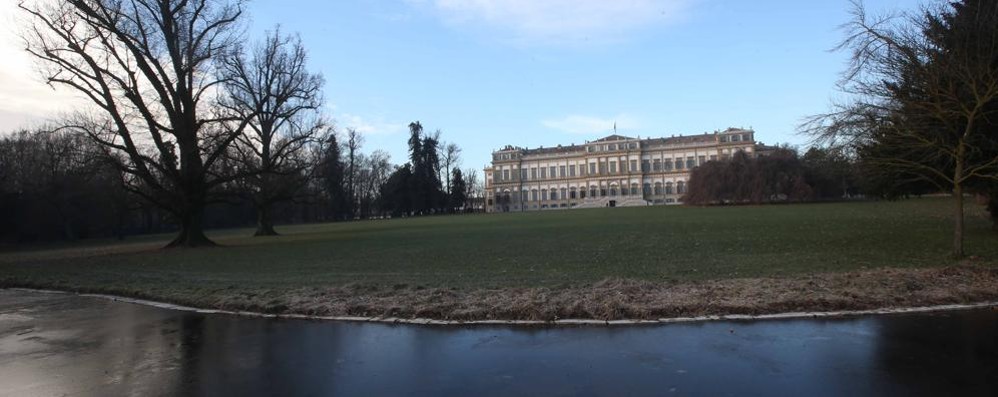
point(491, 73)
point(545, 72)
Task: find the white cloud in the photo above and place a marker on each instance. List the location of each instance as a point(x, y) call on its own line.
point(559, 21)
point(366, 126)
point(590, 125)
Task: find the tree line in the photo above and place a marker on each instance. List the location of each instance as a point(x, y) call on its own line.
point(190, 127)
point(55, 184)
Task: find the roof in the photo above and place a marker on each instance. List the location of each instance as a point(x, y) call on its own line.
point(558, 149)
point(614, 137)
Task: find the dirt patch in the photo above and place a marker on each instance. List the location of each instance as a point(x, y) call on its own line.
point(612, 299)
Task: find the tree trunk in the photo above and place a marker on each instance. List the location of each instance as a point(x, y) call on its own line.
point(192, 227)
point(958, 222)
point(264, 224)
point(993, 208)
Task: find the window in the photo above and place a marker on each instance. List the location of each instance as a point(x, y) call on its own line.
point(582, 169)
point(544, 173)
point(746, 138)
point(701, 160)
point(668, 188)
point(533, 195)
point(679, 164)
point(561, 171)
point(646, 189)
point(735, 138)
point(680, 187)
point(690, 163)
point(573, 194)
point(658, 188)
point(613, 147)
point(554, 194)
point(646, 166)
point(592, 168)
point(657, 165)
point(564, 193)
point(667, 165)
point(533, 173)
point(602, 191)
point(544, 194)
point(634, 166)
point(571, 170)
point(582, 194)
point(602, 167)
point(613, 191)
point(523, 173)
point(634, 189)
point(552, 171)
point(592, 191)
point(505, 175)
point(613, 167)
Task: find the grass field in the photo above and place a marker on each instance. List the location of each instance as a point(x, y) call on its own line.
point(549, 249)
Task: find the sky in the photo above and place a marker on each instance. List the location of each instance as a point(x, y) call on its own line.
point(530, 73)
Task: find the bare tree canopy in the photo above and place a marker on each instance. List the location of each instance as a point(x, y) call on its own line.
point(451, 159)
point(273, 89)
point(149, 67)
point(924, 89)
point(353, 144)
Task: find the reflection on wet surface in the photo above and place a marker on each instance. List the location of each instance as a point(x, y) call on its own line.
point(61, 344)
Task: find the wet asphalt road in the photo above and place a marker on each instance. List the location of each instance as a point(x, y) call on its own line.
point(54, 344)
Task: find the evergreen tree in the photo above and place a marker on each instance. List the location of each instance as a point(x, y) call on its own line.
point(396, 197)
point(457, 193)
point(332, 176)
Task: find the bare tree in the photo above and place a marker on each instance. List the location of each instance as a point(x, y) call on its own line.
point(353, 143)
point(149, 68)
point(373, 172)
point(925, 87)
point(273, 89)
point(475, 189)
point(451, 159)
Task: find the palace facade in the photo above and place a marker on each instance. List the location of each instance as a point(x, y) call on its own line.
point(610, 172)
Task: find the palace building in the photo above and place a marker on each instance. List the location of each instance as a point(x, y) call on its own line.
point(611, 172)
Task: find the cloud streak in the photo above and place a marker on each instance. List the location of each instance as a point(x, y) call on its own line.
point(559, 21)
point(368, 127)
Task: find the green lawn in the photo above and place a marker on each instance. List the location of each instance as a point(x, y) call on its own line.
point(550, 249)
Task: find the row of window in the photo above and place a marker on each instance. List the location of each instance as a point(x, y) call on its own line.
point(736, 138)
point(611, 146)
point(572, 205)
point(562, 171)
point(572, 193)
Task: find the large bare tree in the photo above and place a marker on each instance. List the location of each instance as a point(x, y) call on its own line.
point(273, 89)
point(353, 143)
point(924, 89)
point(149, 67)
